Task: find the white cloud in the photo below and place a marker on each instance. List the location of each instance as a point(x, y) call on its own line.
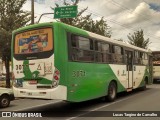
point(120, 15)
point(142, 17)
point(157, 34)
point(102, 7)
point(141, 14)
point(39, 9)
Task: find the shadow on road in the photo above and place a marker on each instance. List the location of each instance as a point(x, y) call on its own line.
point(68, 109)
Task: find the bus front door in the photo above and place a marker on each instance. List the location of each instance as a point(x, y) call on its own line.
point(129, 68)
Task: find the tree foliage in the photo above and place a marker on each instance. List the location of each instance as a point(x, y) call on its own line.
point(86, 22)
point(11, 17)
point(137, 39)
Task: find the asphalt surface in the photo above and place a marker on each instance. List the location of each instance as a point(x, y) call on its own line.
point(142, 102)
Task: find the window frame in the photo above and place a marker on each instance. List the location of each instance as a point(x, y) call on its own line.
point(71, 58)
point(98, 52)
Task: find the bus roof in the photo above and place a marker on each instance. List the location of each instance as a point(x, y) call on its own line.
point(92, 35)
point(33, 26)
point(110, 40)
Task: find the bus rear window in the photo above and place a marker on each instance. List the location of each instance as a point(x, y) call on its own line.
point(34, 41)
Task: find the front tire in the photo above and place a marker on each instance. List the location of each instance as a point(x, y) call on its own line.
point(112, 91)
point(4, 101)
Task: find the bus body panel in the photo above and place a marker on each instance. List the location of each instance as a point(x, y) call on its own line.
point(156, 72)
point(138, 74)
point(76, 81)
point(89, 81)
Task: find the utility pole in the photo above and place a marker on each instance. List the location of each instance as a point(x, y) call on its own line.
point(32, 11)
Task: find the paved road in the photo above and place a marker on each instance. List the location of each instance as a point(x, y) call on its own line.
point(24, 104)
point(147, 100)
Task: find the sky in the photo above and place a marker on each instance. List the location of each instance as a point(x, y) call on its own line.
point(123, 16)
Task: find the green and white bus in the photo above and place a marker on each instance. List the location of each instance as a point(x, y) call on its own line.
point(59, 61)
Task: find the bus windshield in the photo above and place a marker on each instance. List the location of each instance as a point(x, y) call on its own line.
point(33, 41)
point(156, 59)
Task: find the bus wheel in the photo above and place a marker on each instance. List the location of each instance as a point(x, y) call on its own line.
point(112, 91)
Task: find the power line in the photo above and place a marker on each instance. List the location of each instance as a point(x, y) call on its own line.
point(111, 20)
point(115, 22)
point(126, 8)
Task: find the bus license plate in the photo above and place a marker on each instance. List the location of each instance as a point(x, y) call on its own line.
point(32, 82)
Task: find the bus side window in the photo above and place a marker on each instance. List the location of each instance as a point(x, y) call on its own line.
point(82, 49)
point(106, 52)
point(118, 54)
point(98, 54)
point(74, 48)
point(102, 52)
point(136, 57)
point(140, 58)
point(74, 41)
point(83, 43)
point(145, 59)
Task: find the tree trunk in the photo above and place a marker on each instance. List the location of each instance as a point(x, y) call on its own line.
point(7, 66)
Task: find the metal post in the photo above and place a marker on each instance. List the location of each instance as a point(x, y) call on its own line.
point(32, 11)
point(42, 15)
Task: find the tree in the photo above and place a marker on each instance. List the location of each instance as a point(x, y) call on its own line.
point(138, 40)
point(11, 18)
point(86, 22)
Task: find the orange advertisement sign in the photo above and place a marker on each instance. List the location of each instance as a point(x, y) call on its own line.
point(34, 41)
